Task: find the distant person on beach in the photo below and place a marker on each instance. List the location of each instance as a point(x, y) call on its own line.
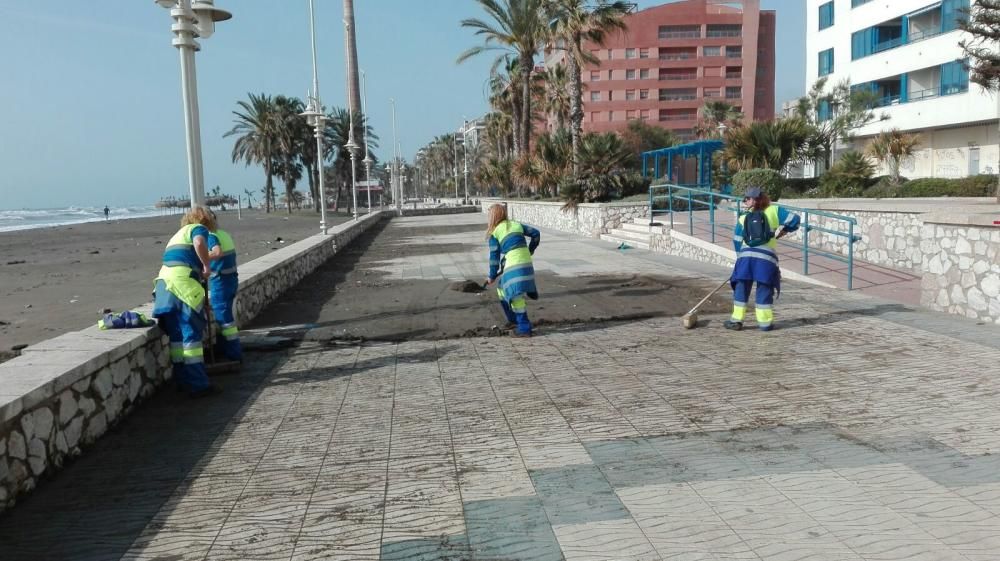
point(107, 212)
point(222, 287)
point(180, 299)
point(510, 263)
point(756, 241)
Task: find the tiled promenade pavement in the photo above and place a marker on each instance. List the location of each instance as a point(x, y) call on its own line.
point(859, 430)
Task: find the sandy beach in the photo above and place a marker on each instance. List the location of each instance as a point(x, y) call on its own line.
point(59, 279)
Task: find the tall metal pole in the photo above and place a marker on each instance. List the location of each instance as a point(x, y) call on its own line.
point(352, 145)
point(395, 159)
point(317, 107)
point(465, 153)
point(454, 166)
point(364, 132)
point(184, 34)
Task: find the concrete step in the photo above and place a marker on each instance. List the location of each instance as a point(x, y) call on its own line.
point(642, 224)
point(631, 239)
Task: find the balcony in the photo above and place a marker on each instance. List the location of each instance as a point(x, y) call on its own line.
point(678, 94)
point(679, 32)
point(935, 20)
point(670, 115)
point(724, 30)
point(678, 77)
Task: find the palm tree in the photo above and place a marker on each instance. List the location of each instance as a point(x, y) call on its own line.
point(891, 147)
point(292, 134)
point(351, 48)
point(556, 101)
point(766, 144)
point(519, 28)
point(714, 114)
point(256, 128)
point(571, 22)
point(338, 126)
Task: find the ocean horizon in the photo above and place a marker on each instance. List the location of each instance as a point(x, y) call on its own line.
point(28, 219)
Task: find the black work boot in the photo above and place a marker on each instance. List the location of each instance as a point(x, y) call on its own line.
point(733, 325)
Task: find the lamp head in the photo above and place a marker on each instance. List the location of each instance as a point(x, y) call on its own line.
point(167, 4)
point(207, 14)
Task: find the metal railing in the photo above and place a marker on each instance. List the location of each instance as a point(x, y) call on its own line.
point(680, 199)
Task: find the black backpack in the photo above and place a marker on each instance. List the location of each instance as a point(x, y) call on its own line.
point(756, 230)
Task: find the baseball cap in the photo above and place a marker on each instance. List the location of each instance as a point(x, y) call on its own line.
point(752, 193)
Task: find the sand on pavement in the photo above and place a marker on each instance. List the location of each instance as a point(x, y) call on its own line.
point(352, 296)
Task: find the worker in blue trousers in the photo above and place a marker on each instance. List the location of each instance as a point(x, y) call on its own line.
point(180, 300)
point(222, 287)
point(756, 241)
point(510, 263)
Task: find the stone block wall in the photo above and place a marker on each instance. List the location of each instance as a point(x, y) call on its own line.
point(587, 219)
point(64, 393)
point(889, 239)
point(677, 246)
point(56, 420)
point(961, 270)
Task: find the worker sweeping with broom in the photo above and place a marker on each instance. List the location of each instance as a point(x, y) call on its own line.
point(756, 240)
point(510, 261)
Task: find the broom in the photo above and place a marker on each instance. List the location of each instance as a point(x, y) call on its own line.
point(690, 319)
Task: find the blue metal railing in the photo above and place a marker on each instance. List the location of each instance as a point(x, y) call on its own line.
point(690, 196)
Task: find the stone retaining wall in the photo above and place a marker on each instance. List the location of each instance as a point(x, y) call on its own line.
point(961, 270)
point(587, 219)
point(62, 394)
point(889, 239)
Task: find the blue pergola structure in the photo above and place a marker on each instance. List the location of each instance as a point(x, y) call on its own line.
point(701, 149)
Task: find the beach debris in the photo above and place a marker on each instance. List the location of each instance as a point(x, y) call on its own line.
point(466, 286)
point(158, 242)
point(95, 252)
point(16, 262)
point(279, 240)
point(624, 245)
point(73, 301)
point(2, 322)
point(20, 347)
point(26, 306)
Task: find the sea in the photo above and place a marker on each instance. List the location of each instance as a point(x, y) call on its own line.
point(27, 219)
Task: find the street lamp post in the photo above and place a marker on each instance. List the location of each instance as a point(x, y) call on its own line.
point(397, 192)
point(454, 167)
point(465, 154)
point(314, 115)
point(364, 131)
point(192, 20)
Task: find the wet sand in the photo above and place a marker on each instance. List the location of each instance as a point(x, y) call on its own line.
point(59, 279)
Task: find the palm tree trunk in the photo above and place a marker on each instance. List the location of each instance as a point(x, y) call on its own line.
point(527, 62)
point(351, 47)
point(268, 186)
point(576, 103)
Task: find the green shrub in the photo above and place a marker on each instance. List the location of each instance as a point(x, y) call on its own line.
point(801, 185)
point(976, 186)
point(927, 187)
point(768, 180)
point(849, 177)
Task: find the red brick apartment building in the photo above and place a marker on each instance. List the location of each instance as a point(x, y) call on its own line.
point(674, 57)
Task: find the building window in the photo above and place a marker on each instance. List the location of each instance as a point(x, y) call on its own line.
point(826, 15)
point(611, 115)
point(724, 30)
point(824, 111)
point(712, 72)
point(713, 92)
point(596, 53)
point(630, 115)
point(611, 95)
point(595, 96)
point(735, 52)
point(856, 3)
point(826, 62)
point(644, 115)
point(595, 116)
point(734, 92)
point(680, 32)
point(644, 74)
point(643, 53)
point(678, 94)
point(643, 94)
point(734, 72)
point(611, 55)
point(629, 95)
point(711, 51)
point(610, 75)
point(954, 78)
point(595, 76)
point(629, 53)
point(630, 74)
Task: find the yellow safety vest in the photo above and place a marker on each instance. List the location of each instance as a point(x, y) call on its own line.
point(179, 278)
point(517, 256)
point(771, 213)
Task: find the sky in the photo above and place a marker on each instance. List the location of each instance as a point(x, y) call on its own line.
point(90, 104)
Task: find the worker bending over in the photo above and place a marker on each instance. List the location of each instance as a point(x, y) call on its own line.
point(510, 260)
point(222, 287)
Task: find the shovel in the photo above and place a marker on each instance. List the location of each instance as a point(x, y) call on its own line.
point(690, 319)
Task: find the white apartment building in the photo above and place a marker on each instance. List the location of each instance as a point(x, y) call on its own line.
point(907, 52)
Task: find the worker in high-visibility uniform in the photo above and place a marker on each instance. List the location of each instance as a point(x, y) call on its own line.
point(180, 299)
point(756, 240)
point(222, 287)
point(510, 260)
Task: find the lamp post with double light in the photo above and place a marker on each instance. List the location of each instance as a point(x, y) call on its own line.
point(192, 21)
point(317, 119)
